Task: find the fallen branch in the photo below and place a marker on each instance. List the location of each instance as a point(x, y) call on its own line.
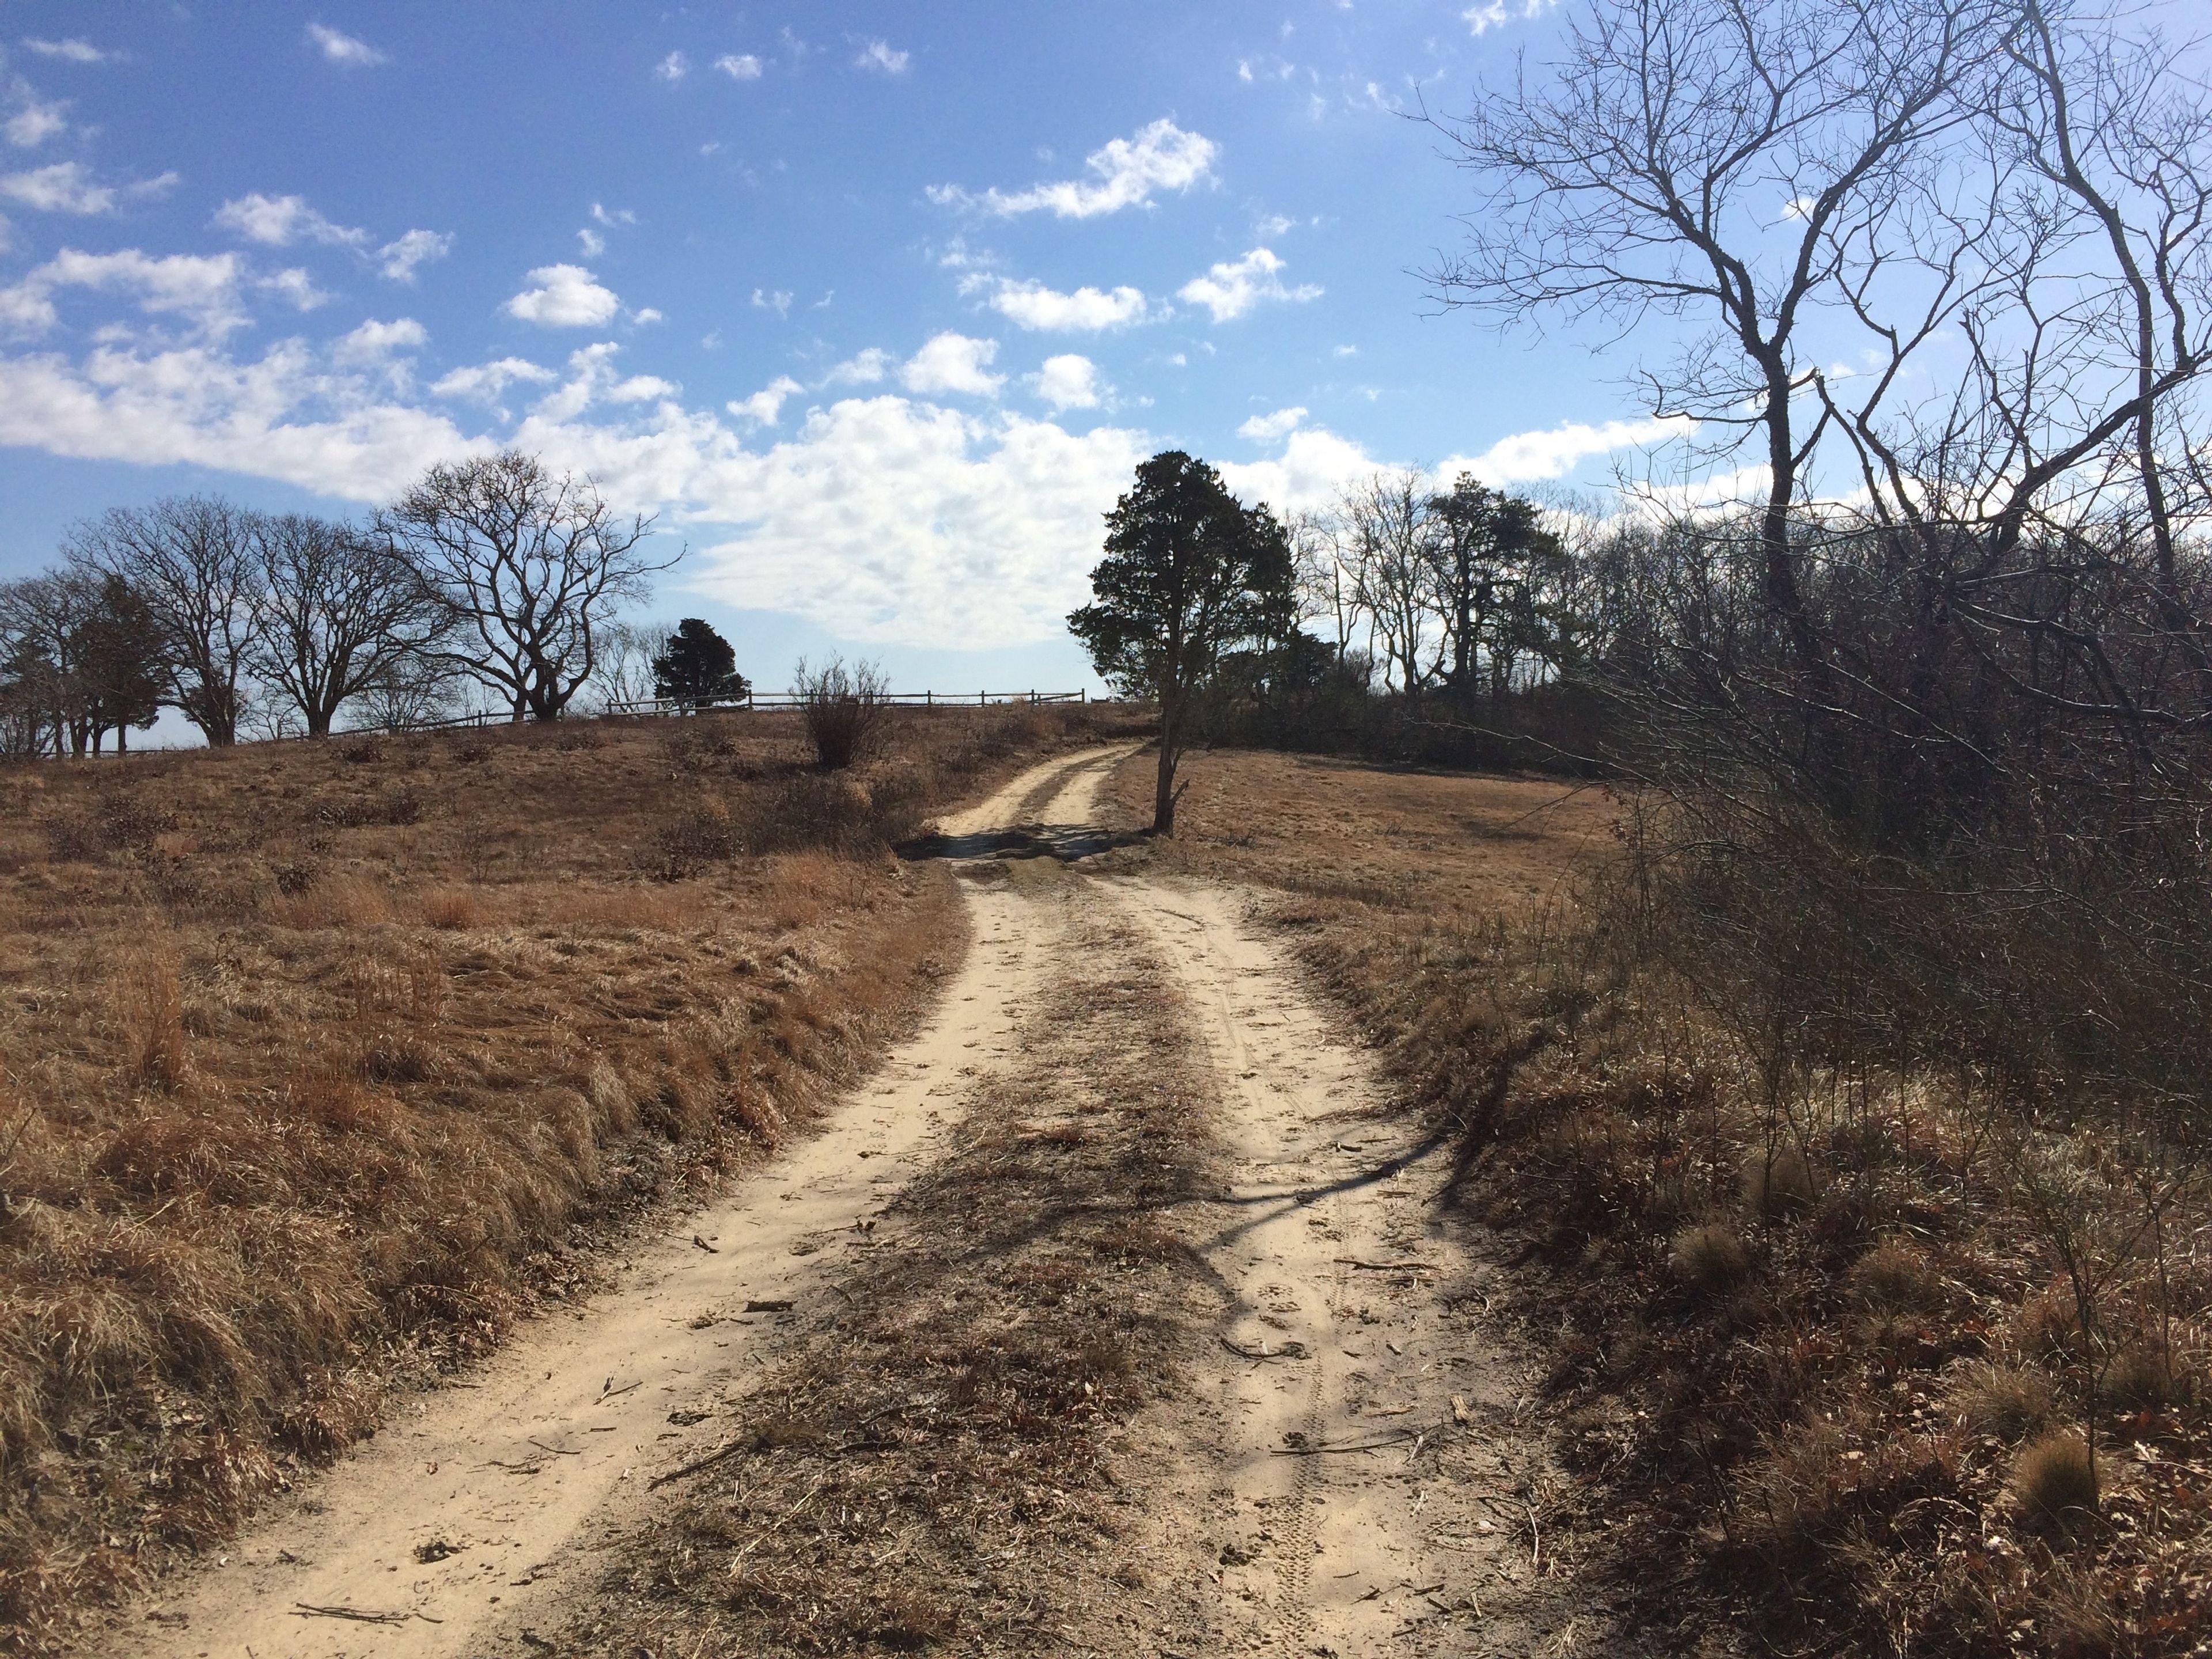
point(1395, 1438)
point(1386, 1266)
point(1292, 1349)
point(728, 1449)
point(359, 1615)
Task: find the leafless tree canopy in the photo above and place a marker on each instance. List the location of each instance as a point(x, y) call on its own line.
point(342, 614)
point(191, 559)
point(529, 565)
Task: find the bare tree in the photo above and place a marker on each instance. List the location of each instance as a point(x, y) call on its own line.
point(1386, 517)
point(191, 559)
point(528, 566)
point(340, 612)
point(624, 671)
point(1735, 164)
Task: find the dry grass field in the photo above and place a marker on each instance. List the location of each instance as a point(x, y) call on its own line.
point(1832, 1351)
point(321, 1063)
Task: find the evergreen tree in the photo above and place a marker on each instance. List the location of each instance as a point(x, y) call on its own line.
point(697, 665)
point(1189, 572)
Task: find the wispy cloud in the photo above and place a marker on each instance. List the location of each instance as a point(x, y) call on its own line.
point(281, 220)
point(1234, 287)
point(739, 65)
point(343, 49)
point(1033, 306)
point(398, 260)
point(1266, 429)
point(877, 55)
point(674, 67)
point(72, 50)
point(762, 408)
point(1495, 14)
point(775, 299)
point(203, 289)
point(35, 122)
point(1124, 173)
point(68, 187)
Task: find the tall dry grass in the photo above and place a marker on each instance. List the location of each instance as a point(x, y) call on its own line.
point(322, 1063)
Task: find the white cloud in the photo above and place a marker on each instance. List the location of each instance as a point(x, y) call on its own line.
point(1034, 305)
point(642, 388)
point(281, 220)
point(1234, 287)
point(674, 67)
point(1494, 14)
point(343, 49)
point(645, 314)
point(1345, 351)
point(883, 518)
point(1125, 174)
point(67, 187)
point(563, 296)
point(1266, 429)
point(375, 342)
point(953, 362)
point(739, 65)
point(284, 417)
point(1799, 206)
point(778, 301)
point(205, 290)
point(74, 50)
point(764, 405)
point(398, 260)
point(36, 122)
point(486, 381)
point(1068, 381)
point(619, 217)
point(1315, 464)
point(294, 286)
point(591, 242)
point(863, 368)
point(1556, 451)
point(878, 55)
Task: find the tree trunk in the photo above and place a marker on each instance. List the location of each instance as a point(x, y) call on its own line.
point(1164, 799)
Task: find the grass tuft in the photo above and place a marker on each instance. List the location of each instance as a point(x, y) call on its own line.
point(2054, 1480)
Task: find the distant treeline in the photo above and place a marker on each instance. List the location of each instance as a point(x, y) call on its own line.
point(491, 582)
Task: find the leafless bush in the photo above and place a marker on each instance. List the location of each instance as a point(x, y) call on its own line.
point(845, 709)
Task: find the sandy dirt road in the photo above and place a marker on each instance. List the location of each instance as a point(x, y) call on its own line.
point(1347, 1466)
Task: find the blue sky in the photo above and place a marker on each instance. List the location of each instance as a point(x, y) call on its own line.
point(876, 306)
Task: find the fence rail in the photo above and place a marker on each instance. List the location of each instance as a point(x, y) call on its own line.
point(757, 701)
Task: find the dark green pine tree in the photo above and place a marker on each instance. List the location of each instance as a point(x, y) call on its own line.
point(697, 665)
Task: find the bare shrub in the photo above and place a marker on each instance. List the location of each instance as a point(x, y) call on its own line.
point(834, 814)
point(845, 709)
point(696, 836)
point(402, 805)
point(2054, 1480)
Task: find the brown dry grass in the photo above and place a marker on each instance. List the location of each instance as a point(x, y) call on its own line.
point(322, 1062)
point(1811, 1437)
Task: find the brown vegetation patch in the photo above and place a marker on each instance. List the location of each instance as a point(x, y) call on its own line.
point(323, 1061)
point(1815, 1435)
